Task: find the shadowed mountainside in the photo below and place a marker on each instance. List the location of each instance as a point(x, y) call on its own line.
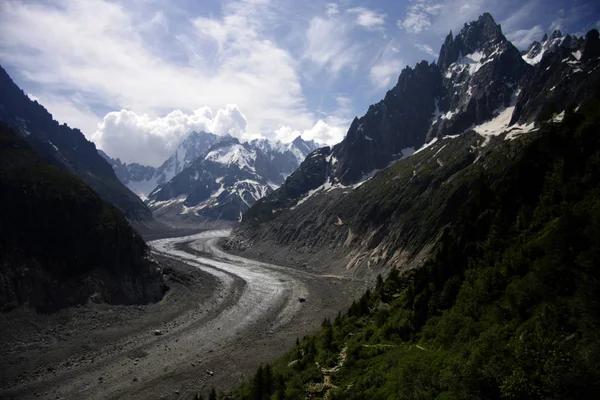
point(60, 243)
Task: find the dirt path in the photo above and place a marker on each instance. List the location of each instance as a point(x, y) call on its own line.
point(223, 317)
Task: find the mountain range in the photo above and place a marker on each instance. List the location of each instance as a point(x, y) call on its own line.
point(212, 179)
point(455, 114)
point(468, 198)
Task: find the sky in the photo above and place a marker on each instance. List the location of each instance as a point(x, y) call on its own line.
point(136, 76)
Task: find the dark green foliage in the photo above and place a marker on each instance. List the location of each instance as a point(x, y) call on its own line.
point(59, 242)
point(507, 306)
point(66, 148)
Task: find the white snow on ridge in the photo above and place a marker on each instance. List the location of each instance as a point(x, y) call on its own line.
point(218, 192)
point(53, 145)
point(426, 145)
point(496, 125)
point(235, 154)
point(500, 123)
point(473, 62)
point(436, 112)
point(162, 204)
point(449, 114)
point(558, 117)
point(297, 153)
point(535, 59)
point(546, 46)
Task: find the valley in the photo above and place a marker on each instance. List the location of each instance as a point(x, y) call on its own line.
point(222, 316)
point(442, 242)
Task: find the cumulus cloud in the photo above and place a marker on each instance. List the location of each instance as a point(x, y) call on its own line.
point(100, 49)
point(368, 19)
point(321, 132)
point(329, 130)
point(150, 141)
point(415, 22)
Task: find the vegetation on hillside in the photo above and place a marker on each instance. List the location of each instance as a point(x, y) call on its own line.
point(507, 306)
point(61, 243)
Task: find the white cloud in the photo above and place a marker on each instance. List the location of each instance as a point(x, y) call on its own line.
point(145, 140)
point(383, 73)
point(426, 49)
point(556, 24)
point(437, 17)
point(328, 44)
point(321, 132)
point(415, 22)
point(332, 9)
point(524, 37)
point(418, 16)
point(96, 48)
point(385, 70)
point(521, 14)
point(368, 19)
point(329, 130)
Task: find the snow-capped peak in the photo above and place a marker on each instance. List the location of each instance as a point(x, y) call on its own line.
point(535, 52)
point(235, 154)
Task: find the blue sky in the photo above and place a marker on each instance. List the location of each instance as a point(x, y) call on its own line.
point(137, 76)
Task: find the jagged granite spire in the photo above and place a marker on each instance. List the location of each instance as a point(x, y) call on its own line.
point(473, 36)
point(397, 122)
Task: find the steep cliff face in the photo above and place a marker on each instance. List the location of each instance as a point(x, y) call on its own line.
point(60, 244)
point(391, 219)
point(66, 148)
point(480, 105)
point(478, 74)
point(566, 76)
point(396, 123)
point(481, 71)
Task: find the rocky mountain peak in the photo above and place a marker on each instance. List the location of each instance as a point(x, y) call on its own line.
point(474, 36)
point(306, 146)
point(536, 50)
point(557, 34)
point(390, 126)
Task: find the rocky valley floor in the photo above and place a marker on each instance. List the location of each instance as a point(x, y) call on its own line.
point(222, 317)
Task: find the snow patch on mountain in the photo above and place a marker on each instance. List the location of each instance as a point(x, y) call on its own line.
point(234, 155)
point(501, 123)
point(537, 50)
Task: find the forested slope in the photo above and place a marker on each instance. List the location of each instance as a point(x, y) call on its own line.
point(60, 243)
point(506, 307)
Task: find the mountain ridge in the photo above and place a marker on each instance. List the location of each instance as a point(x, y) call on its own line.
point(66, 148)
point(217, 188)
point(307, 219)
